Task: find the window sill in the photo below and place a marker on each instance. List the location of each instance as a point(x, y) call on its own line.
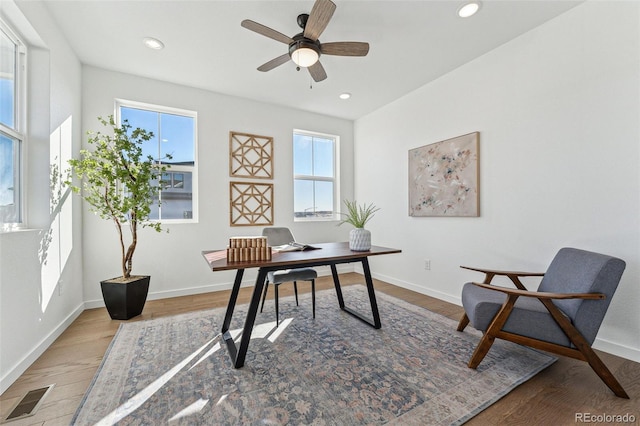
point(11, 228)
point(9, 233)
point(316, 219)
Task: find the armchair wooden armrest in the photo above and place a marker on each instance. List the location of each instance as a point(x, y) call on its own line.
point(506, 273)
point(567, 285)
point(581, 348)
point(540, 294)
point(512, 275)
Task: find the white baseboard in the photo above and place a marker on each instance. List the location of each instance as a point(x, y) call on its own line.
point(617, 349)
point(418, 289)
point(12, 375)
point(157, 295)
point(16, 371)
point(604, 345)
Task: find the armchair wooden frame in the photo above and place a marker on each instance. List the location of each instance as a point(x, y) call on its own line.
point(582, 350)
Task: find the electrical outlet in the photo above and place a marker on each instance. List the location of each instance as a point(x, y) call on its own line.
point(427, 264)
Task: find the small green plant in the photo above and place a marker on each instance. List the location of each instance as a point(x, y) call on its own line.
point(357, 215)
point(119, 183)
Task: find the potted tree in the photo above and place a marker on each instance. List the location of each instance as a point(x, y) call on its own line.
point(358, 216)
point(121, 184)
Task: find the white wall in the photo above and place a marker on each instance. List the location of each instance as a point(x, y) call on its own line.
point(40, 268)
point(557, 109)
point(174, 260)
point(558, 113)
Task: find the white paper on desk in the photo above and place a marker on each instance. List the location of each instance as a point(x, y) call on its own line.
point(293, 246)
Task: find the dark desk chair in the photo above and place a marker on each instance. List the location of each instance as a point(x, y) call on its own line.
point(563, 316)
point(277, 236)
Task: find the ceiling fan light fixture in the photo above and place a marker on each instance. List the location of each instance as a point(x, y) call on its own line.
point(304, 57)
point(304, 54)
point(305, 48)
point(469, 9)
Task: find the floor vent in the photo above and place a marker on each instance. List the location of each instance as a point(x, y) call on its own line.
point(29, 404)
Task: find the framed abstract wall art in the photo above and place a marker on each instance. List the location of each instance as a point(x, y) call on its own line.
point(444, 177)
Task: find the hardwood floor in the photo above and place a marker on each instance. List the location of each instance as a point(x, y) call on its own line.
point(567, 389)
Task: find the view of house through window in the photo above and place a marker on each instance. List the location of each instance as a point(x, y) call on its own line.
point(315, 178)
point(12, 61)
point(174, 134)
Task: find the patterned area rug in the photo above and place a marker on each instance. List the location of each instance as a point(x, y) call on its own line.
point(334, 370)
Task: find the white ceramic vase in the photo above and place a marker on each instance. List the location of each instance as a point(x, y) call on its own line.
point(360, 239)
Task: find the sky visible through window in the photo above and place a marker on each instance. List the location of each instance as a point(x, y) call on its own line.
point(8, 51)
point(173, 135)
point(6, 99)
point(8, 144)
point(176, 132)
point(314, 171)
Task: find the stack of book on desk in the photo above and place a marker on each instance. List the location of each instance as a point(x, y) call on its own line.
point(243, 249)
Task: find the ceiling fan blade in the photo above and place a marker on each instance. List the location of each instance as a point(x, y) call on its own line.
point(266, 31)
point(317, 72)
point(275, 62)
point(319, 18)
point(345, 48)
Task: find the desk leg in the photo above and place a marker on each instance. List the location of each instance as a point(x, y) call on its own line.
point(236, 353)
point(336, 283)
point(372, 295)
point(251, 318)
point(232, 300)
point(226, 336)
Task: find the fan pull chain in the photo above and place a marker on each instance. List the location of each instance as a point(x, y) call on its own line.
point(310, 79)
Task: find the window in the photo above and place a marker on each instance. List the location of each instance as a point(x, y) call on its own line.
point(315, 176)
point(174, 134)
point(173, 180)
point(12, 125)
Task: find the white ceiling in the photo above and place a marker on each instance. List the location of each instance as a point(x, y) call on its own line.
point(412, 43)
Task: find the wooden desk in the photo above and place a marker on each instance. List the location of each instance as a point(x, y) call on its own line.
point(330, 254)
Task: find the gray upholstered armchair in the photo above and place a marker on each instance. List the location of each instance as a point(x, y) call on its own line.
point(277, 236)
point(563, 316)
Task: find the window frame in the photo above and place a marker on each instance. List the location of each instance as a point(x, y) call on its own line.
point(335, 179)
point(19, 131)
point(175, 168)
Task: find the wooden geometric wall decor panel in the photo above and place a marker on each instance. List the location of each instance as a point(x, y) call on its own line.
point(251, 203)
point(250, 156)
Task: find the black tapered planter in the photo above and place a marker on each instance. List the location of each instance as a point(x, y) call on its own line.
point(125, 300)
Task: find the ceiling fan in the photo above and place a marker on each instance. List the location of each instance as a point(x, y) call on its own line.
point(305, 48)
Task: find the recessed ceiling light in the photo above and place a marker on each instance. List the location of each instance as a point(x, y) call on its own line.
point(153, 43)
point(345, 95)
point(468, 9)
